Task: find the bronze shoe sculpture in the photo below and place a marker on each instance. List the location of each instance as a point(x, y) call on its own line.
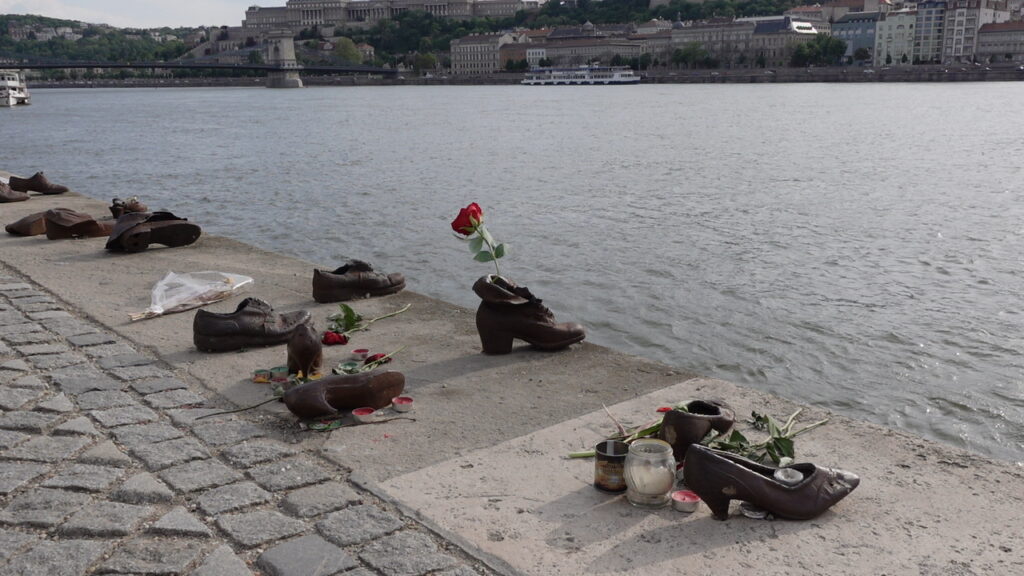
point(331, 394)
point(135, 231)
point(356, 279)
point(305, 351)
point(253, 323)
point(508, 311)
point(32, 225)
point(120, 207)
point(9, 195)
point(682, 428)
point(64, 223)
point(718, 477)
point(37, 183)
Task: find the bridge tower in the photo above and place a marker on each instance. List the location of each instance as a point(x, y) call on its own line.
point(280, 51)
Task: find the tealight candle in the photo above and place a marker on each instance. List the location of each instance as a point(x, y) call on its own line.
point(261, 376)
point(788, 476)
point(650, 471)
point(278, 373)
point(363, 415)
point(685, 500)
point(360, 354)
point(401, 403)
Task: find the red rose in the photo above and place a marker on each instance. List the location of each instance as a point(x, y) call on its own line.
point(377, 357)
point(664, 409)
point(468, 219)
point(332, 338)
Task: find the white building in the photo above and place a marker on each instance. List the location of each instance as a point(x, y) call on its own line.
point(894, 38)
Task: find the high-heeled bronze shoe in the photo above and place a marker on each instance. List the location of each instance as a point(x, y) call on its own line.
point(718, 477)
point(305, 351)
point(332, 394)
point(682, 428)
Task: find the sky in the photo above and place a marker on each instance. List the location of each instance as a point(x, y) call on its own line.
point(140, 13)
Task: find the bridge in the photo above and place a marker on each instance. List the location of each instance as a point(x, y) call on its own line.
point(279, 53)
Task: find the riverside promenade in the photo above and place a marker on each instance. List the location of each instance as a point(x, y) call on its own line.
point(104, 467)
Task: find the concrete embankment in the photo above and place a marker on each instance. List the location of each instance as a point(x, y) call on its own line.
point(484, 463)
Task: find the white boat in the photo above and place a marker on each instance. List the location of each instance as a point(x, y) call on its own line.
point(582, 75)
point(13, 90)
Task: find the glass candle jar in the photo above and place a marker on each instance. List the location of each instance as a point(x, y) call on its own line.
point(650, 472)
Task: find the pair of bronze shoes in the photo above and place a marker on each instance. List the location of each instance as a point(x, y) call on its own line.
point(254, 323)
point(9, 195)
point(356, 279)
point(508, 311)
point(135, 231)
point(60, 224)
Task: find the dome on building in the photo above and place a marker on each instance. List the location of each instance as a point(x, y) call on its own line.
point(588, 26)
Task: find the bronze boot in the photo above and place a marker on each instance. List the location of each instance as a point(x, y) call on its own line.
point(718, 477)
point(331, 394)
point(682, 428)
point(508, 311)
point(305, 352)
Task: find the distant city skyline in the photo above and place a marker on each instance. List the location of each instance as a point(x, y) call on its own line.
point(139, 13)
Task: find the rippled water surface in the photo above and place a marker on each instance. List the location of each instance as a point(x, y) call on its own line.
point(857, 247)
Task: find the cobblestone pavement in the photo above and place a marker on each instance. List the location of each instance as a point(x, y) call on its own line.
point(104, 469)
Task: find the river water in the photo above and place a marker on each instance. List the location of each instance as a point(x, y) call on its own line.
point(855, 247)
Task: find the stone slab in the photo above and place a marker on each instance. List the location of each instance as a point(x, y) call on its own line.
point(254, 528)
point(24, 421)
point(143, 434)
point(12, 542)
point(140, 372)
point(57, 558)
point(173, 399)
point(258, 451)
point(406, 554)
point(47, 448)
point(358, 524)
point(157, 385)
point(222, 562)
point(164, 454)
point(50, 361)
point(92, 339)
point(232, 497)
point(106, 453)
point(10, 439)
point(13, 475)
point(143, 488)
point(124, 415)
point(290, 473)
point(85, 477)
point(105, 520)
point(219, 433)
point(199, 475)
point(320, 499)
point(178, 522)
point(153, 556)
point(59, 403)
point(81, 426)
point(42, 507)
point(15, 398)
point(104, 399)
point(306, 556)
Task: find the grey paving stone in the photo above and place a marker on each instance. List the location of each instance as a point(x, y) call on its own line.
point(31, 297)
point(104, 399)
point(186, 416)
point(12, 286)
point(33, 381)
point(222, 562)
point(153, 556)
point(124, 415)
point(5, 350)
point(80, 426)
point(15, 474)
point(30, 338)
point(34, 349)
point(42, 507)
point(47, 448)
point(50, 361)
point(306, 556)
point(17, 364)
point(232, 497)
point(219, 433)
point(125, 360)
point(158, 385)
point(143, 488)
point(49, 315)
point(140, 372)
point(8, 317)
point(69, 326)
point(105, 453)
point(458, 571)
point(105, 519)
point(255, 528)
point(199, 475)
point(252, 452)
point(142, 434)
point(75, 385)
point(288, 474)
point(173, 399)
point(36, 306)
point(359, 572)
point(419, 555)
point(319, 499)
point(93, 339)
point(59, 404)
point(10, 439)
point(358, 524)
point(86, 477)
point(12, 542)
point(57, 558)
point(34, 422)
point(163, 454)
point(178, 522)
point(14, 398)
point(19, 328)
point(106, 350)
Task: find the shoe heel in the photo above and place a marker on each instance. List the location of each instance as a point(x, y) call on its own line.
point(495, 342)
point(719, 507)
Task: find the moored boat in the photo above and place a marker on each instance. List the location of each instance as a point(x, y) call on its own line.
point(13, 91)
point(583, 75)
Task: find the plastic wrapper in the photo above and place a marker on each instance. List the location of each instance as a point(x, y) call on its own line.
point(180, 292)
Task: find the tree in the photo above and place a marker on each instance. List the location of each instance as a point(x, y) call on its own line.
point(904, 59)
point(255, 57)
point(862, 54)
point(888, 58)
point(822, 50)
point(346, 51)
point(425, 62)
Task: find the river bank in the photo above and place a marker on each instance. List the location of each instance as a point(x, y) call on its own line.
point(844, 74)
point(484, 463)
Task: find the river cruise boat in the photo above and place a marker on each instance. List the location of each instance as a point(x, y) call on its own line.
point(584, 75)
point(13, 90)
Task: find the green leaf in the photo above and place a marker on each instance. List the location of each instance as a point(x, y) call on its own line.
point(499, 251)
point(738, 439)
point(476, 244)
point(785, 447)
point(773, 428)
point(484, 256)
